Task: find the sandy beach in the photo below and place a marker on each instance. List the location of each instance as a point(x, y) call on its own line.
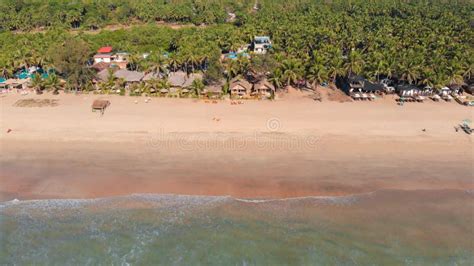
point(292, 147)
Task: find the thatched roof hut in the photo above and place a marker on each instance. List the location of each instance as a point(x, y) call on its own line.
point(264, 87)
point(182, 80)
point(129, 76)
point(103, 75)
point(213, 89)
point(177, 79)
point(151, 76)
point(240, 87)
point(191, 78)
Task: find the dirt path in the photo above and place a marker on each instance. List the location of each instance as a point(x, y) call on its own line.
point(115, 27)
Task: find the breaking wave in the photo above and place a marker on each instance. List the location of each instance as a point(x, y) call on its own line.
point(369, 228)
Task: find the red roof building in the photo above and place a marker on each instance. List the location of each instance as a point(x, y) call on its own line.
point(105, 50)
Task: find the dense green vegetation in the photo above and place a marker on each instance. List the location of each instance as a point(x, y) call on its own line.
point(30, 14)
point(420, 42)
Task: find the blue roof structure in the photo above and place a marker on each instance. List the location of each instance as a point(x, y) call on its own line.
point(234, 55)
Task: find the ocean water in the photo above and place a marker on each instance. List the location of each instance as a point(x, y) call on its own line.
point(379, 228)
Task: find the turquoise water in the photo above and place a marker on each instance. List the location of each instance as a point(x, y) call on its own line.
point(380, 228)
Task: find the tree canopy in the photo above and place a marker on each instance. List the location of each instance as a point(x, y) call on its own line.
point(420, 42)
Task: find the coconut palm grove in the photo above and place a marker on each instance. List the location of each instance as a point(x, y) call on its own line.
point(422, 43)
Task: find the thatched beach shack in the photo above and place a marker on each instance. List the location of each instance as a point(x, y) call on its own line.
point(351, 84)
point(240, 88)
point(264, 88)
point(215, 90)
point(358, 88)
point(152, 76)
point(129, 76)
point(375, 88)
point(177, 79)
point(181, 79)
point(103, 75)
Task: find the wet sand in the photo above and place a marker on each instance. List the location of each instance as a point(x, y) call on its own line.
point(37, 169)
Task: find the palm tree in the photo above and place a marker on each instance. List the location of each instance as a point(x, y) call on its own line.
point(37, 83)
point(134, 62)
point(468, 70)
point(164, 84)
point(6, 72)
point(157, 65)
point(409, 73)
point(243, 64)
point(292, 71)
point(53, 83)
point(197, 86)
point(192, 61)
point(355, 63)
point(335, 70)
point(427, 77)
point(276, 78)
point(153, 86)
point(317, 74)
point(110, 78)
point(232, 69)
point(174, 62)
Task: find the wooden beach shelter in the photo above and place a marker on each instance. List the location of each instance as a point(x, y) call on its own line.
point(100, 105)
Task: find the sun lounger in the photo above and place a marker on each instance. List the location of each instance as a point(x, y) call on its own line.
point(355, 96)
point(404, 99)
point(466, 128)
point(435, 98)
point(419, 99)
point(447, 98)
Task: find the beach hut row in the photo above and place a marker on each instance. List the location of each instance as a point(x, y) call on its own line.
point(358, 88)
point(181, 82)
point(241, 88)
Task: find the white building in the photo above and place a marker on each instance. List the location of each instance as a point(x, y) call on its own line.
point(261, 44)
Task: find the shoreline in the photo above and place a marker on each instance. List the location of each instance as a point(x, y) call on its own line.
point(153, 196)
